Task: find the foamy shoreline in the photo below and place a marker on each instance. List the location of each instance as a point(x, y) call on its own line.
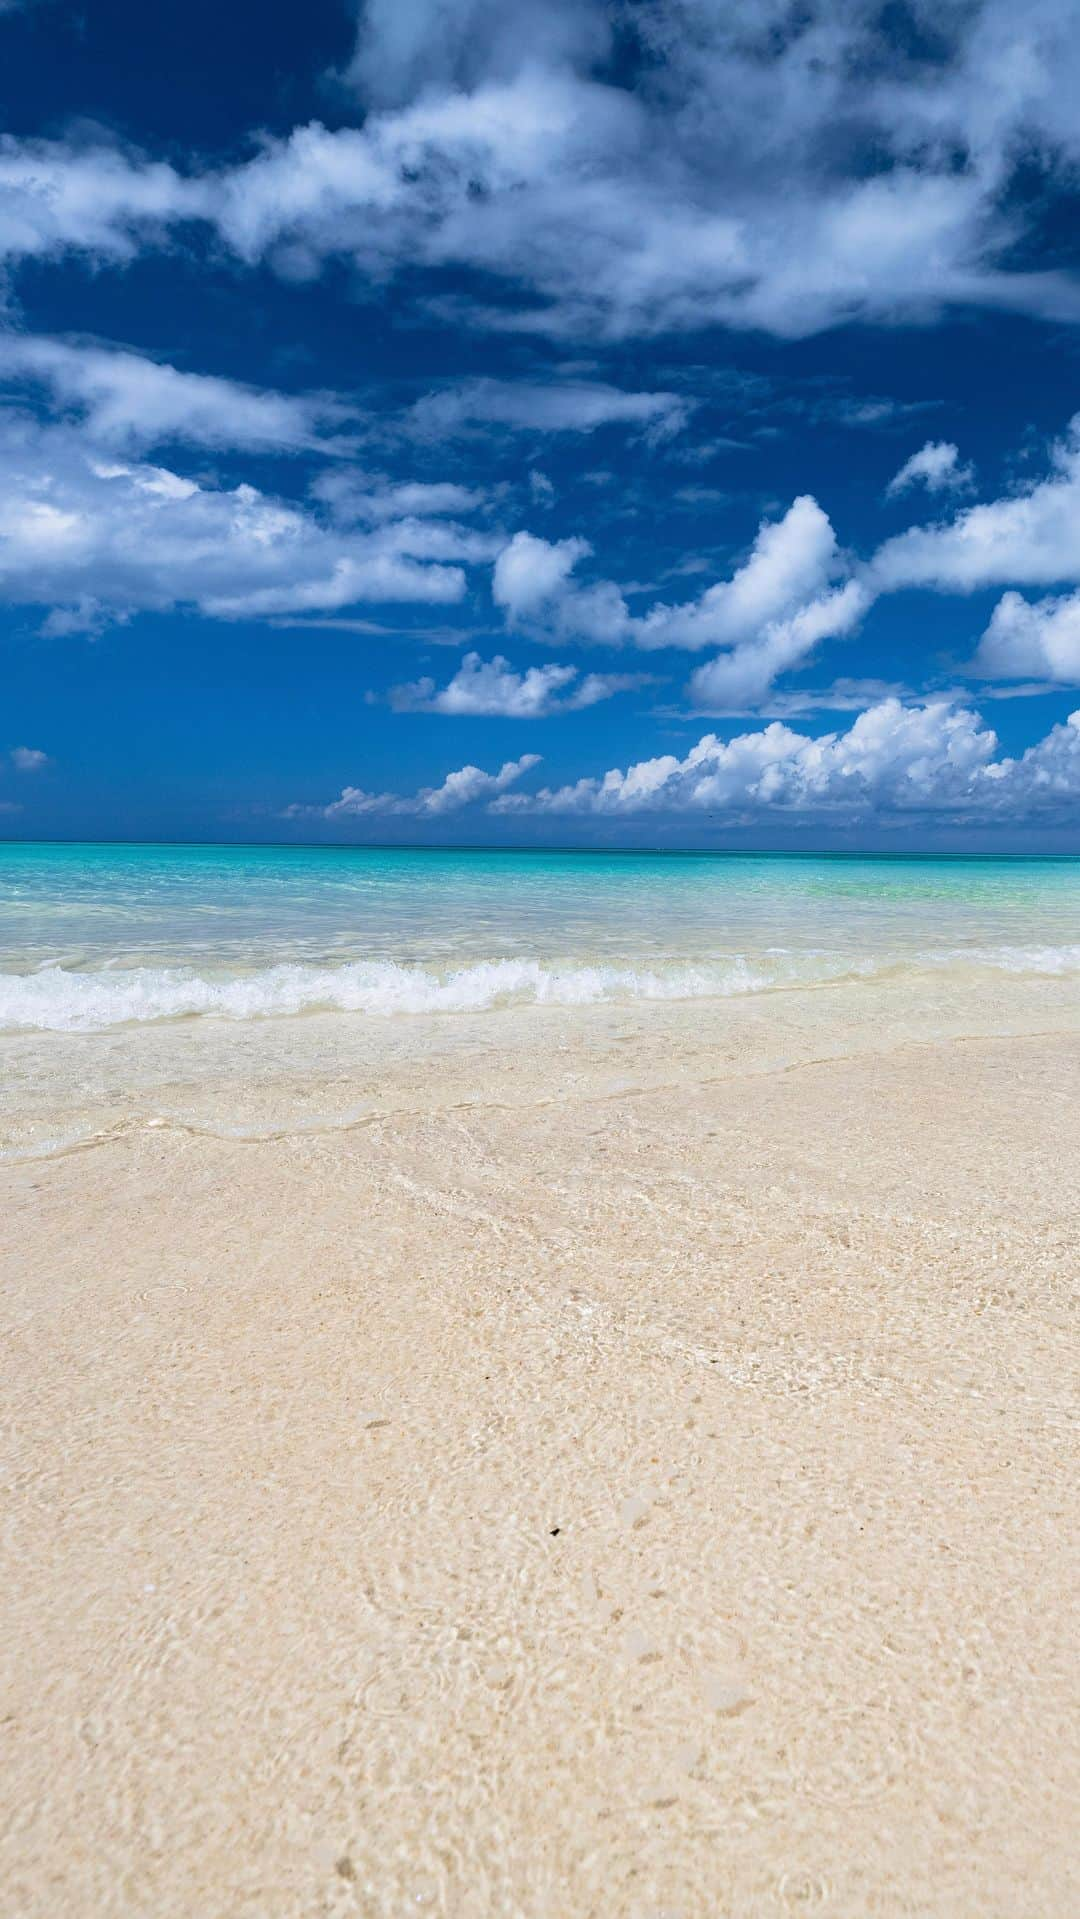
point(58, 998)
point(327, 1068)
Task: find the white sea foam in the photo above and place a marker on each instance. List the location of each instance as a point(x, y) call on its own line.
point(59, 999)
point(1026, 959)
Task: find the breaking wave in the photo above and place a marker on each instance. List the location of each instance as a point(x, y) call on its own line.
point(60, 999)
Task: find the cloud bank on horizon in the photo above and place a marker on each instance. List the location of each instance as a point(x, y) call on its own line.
point(665, 358)
point(897, 760)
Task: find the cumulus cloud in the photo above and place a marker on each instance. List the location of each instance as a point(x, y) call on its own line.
point(936, 466)
point(933, 758)
point(491, 688)
point(769, 616)
point(530, 573)
point(750, 165)
point(28, 759)
point(743, 676)
point(559, 406)
point(790, 562)
point(465, 787)
point(1028, 638)
point(132, 402)
point(1029, 537)
point(796, 589)
point(93, 537)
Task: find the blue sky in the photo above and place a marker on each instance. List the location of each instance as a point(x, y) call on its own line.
point(541, 421)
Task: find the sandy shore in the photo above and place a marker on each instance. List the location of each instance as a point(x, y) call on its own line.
point(637, 1478)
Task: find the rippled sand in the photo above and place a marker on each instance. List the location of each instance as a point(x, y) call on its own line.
point(606, 1463)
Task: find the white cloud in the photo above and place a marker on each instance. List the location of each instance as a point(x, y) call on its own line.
point(95, 534)
point(531, 573)
point(1040, 638)
point(132, 402)
point(743, 676)
point(93, 537)
point(28, 759)
point(408, 183)
point(352, 496)
point(843, 695)
point(85, 615)
point(559, 406)
point(789, 564)
point(98, 200)
point(1045, 779)
point(1030, 537)
point(769, 616)
point(936, 466)
point(728, 183)
point(595, 687)
point(492, 688)
point(463, 788)
point(402, 50)
point(935, 758)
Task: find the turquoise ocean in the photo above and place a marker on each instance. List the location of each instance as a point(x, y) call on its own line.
point(97, 936)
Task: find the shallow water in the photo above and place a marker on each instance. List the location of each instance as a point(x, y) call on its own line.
point(93, 936)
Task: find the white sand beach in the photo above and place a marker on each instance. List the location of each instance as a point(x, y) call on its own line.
point(625, 1466)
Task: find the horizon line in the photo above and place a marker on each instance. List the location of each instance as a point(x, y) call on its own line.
point(501, 847)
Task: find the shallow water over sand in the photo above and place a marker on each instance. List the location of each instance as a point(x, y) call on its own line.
point(636, 1480)
point(97, 936)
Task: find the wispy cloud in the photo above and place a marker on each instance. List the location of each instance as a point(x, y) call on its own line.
point(553, 406)
point(132, 402)
point(936, 466)
point(492, 689)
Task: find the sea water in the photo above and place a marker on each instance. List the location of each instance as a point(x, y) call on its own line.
point(98, 936)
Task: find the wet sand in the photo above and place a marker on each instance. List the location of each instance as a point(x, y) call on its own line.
point(631, 1473)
